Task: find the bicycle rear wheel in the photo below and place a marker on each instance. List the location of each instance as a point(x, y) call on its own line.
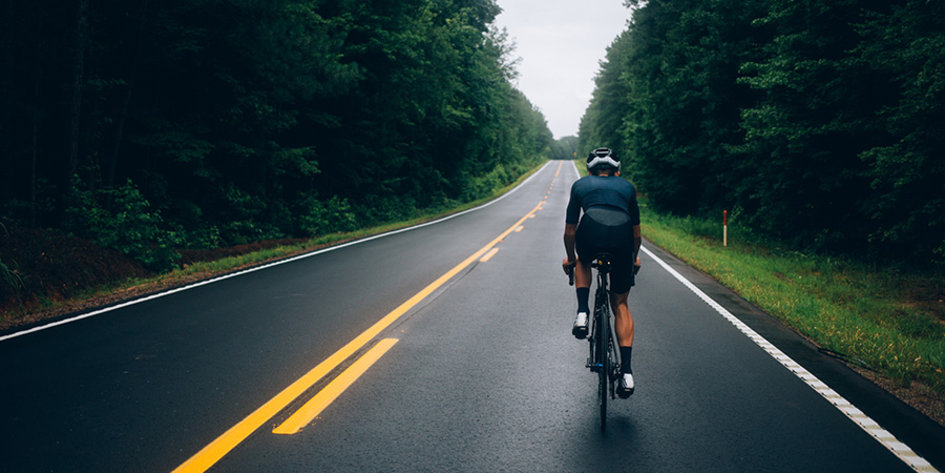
point(603, 358)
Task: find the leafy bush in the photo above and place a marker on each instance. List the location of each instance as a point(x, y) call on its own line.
point(320, 218)
point(10, 282)
point(122, 219)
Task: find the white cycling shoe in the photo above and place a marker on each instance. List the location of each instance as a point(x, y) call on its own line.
point(579, 330)
point(625, 385)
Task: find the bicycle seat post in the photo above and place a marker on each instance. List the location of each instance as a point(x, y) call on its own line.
point(602, 262)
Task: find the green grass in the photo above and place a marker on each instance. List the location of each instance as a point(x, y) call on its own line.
point(888, 321)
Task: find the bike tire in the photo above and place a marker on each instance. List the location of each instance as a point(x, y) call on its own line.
point(604, 359)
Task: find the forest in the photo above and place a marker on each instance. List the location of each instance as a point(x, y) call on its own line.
point(819, 124)
point(150, 126)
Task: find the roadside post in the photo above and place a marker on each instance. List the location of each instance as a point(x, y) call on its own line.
point(725, 228)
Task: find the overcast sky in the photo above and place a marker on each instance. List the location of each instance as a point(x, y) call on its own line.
point(561, 44)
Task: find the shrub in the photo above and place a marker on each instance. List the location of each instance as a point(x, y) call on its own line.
point(10, 282)
point(320, 218)
point(122, 219)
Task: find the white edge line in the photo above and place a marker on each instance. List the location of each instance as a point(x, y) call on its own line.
point(261, 267)
point(881, 435)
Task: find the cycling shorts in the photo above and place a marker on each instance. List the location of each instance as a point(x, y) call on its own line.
point(606, 230)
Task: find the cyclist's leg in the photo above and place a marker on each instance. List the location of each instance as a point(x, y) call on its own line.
point(621, 281)
point(582, 288)
point(623, 319)
point(623, 322)
point(623, 325)
point(584, 238)
point(582, 274)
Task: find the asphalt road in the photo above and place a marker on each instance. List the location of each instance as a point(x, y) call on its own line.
point(480, 374)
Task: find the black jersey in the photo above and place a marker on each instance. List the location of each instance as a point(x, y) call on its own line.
point(602, 191)
point(610, 211)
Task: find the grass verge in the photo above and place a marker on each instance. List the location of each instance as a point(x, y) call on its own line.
point(886, 322)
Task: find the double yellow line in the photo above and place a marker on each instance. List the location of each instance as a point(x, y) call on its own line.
point(217, 449)
point(317, 404)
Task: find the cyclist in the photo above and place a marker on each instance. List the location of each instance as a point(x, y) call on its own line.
point(610, 223)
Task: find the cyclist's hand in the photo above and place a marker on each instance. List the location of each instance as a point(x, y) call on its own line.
point(568, 266)
point(637, 265)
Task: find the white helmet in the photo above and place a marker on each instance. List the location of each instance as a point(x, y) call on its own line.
point(602, 157)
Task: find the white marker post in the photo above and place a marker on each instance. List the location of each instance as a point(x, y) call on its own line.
point(725, 228)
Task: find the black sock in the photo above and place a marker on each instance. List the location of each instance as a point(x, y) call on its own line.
point(583, 294)
point(625, 359)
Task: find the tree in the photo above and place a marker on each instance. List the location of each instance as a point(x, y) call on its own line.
point(818, 121)
point(248, 119)
point(566, 148)
point(801, 175)
point(905, 46)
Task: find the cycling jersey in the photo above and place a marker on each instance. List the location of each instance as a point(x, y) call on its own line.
point(607, 191)
point(610, 212)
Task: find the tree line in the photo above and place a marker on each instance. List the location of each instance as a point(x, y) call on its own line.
point(153, 125)
point(819, 123)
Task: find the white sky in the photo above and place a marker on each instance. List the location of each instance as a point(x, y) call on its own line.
point(561, 44)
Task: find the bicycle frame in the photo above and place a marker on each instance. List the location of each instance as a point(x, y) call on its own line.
point(604, 357)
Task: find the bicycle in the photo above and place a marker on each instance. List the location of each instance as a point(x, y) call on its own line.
point(604, 358)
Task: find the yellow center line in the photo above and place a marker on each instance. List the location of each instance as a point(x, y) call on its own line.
point(326, 396)
point(489, 255)
point(212, 453)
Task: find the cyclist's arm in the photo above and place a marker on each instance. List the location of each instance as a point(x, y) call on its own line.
point(635, 219)
point(570, 225)
point(570, 230)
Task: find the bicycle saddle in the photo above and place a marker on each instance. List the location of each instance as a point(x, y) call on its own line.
point(602, 261)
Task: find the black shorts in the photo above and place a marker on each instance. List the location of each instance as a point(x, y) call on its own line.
point(604, 230)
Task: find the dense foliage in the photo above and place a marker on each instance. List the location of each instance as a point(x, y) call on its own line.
point(564, 148)
point(147, 125)
point(820, 123)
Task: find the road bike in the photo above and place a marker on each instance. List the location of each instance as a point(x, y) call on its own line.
point(604, 358)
